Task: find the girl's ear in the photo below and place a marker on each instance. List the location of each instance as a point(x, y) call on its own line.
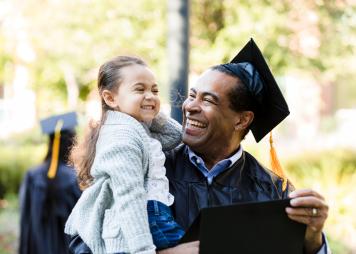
point(243, 120)
point(109, 98)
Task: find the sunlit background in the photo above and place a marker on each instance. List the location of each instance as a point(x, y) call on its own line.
point(50, 52)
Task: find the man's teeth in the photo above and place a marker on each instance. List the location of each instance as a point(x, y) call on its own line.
point(147, 107)
point(195, 123)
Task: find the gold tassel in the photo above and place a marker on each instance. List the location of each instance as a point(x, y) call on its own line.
point(275, 165)
point(52, 171)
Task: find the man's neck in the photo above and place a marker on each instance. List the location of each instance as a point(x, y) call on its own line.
point(211, 158)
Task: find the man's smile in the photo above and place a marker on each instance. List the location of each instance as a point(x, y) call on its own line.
point(195, 123)
point(194, 127)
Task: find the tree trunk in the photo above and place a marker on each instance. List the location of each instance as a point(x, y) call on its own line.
point(178, 54)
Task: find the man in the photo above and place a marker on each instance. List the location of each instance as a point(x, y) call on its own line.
point(211, 168)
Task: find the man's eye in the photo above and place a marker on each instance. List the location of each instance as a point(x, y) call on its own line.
point(209, 100)
point(139, 89)
point(191, 95)
point(155, 91)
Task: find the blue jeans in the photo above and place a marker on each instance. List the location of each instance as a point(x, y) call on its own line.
point(165, 231)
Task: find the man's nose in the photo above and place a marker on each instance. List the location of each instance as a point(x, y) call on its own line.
point(191, 105)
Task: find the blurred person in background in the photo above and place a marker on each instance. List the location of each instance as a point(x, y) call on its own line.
point(49, 191)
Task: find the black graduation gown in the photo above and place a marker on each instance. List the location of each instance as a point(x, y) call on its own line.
point(247, 180)
point(45, 206)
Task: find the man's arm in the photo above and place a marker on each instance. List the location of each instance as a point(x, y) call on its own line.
point(185, 248)
point(310, 208)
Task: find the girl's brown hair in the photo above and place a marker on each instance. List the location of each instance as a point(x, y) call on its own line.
point(83, 154)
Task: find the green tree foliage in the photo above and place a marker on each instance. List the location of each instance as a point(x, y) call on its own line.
point(318, 37)
point(77, 36)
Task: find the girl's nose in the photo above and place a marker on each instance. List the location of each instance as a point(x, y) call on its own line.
point(149, 95)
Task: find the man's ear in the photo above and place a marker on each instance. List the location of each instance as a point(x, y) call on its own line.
point(244, 120)
point(109, 98)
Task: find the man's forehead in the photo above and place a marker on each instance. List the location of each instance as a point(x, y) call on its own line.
point(214, 81)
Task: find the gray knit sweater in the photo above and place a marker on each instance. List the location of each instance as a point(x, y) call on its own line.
point(111, 214)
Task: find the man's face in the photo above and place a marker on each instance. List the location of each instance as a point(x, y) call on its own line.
point(208, 120)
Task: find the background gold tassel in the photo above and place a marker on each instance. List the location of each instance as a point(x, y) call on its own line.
point(55, 150)
point(275, 165)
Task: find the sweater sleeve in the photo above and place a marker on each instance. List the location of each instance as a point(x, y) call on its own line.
point(123, 162)
point(167, 131)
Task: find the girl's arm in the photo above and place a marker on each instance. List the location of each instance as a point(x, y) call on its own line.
point(167, 131)
point(123, 162)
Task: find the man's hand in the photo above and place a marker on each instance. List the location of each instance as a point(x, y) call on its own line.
point(185, 248)
point(310, 208)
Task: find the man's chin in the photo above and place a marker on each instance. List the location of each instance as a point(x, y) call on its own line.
point(191, 141)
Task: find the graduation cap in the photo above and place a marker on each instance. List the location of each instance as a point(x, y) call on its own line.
point(69, 121)
point(55, 125)
point(254, 72)
point(271, 108)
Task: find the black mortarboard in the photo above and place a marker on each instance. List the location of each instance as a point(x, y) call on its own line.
point(69, 120)
point(236, 229)
point(273, 107)
point(55, 125)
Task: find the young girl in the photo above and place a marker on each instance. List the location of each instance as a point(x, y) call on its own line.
point(121, 166)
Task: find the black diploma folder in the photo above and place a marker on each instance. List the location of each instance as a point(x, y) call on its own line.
point(247, 228)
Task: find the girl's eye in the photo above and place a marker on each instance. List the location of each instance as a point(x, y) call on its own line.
point(139, 89)
point(155, 91)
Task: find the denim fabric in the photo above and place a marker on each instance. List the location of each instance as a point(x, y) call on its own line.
point(77, 246)
point(165, 231)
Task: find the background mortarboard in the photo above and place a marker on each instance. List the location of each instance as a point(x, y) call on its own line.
point(249, 228)
point(275, 108)
point(48, 125)
point(55, 125)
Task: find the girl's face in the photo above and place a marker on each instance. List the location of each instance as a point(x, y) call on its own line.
point(137, 94)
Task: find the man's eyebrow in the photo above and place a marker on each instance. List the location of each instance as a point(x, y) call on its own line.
point(213, 95)
point(193, 90)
